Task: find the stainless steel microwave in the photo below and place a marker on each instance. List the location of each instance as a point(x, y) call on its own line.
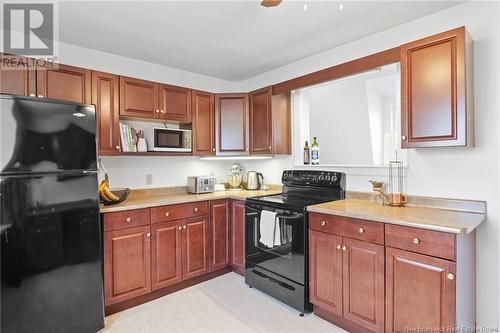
point(168, 139)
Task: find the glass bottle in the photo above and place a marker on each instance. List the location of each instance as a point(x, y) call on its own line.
point(315, 152)
point(306, 153)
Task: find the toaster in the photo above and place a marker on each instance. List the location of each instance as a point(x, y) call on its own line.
point(200, 184)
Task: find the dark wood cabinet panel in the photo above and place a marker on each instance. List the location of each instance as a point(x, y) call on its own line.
point(261, 126)
point(219, 234)
point(138, 98)
point(238, 235)
point(166, 250)
point(174, 103)
point(127, 264)
point(179, 211)
point(17, 76)
point(433, 87)
point(202, 105)
point(363, 284)
point(420, 292)
point(195, 247)
point(64, 82)
point(325, 271)
point(105, 96)
point(231, 124)
point(282, 124)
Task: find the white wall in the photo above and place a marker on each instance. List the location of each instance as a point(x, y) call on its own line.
point(444, 172)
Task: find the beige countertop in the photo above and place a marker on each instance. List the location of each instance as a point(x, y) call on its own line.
point(438, 219)
point(144, 198)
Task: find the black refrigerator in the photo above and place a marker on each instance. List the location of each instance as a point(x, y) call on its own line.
point(51, 243)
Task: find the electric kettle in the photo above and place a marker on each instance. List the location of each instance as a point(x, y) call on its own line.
point(253, 181)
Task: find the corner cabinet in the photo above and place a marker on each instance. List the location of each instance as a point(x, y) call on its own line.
point(231, 124)
point(436, 91)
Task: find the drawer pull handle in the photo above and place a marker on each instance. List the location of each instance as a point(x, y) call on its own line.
point(323, 223)
point(416, 241)
point(361, 230)
point(450, 276)
point(180, 227)
point(344, 248)
point(148, 234)
point(128, 219)
point(339, 246)
point(117, 147)
point(196, 209)
point(184, 227)
point(167, 214)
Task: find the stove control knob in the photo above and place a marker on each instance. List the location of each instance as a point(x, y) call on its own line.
point(327, 178)
point(334, 177)
point(321, 177)
point(285, 175)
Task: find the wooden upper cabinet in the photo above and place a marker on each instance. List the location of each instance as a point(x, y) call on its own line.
point(325, 271)
point(64, 82)
point(231, 124)
point(16, 75)
point(127, 264)
point(105, 97)
point(420, 292)
point(261, 127)
point(138, 98)
point(238, 235)
point(436, 88)
point(174, 103)
point(363, 284)
point(166, 248)
point(282, 124)
point(219, 234)
point(202, 105)
point(195, 247)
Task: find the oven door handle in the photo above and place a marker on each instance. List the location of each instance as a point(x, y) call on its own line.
point(287, 217)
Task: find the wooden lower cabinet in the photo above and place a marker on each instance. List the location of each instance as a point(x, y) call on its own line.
point(238, 236)
point(127, 259)
point(219, 234)
point(166, 248)
point(420, 292)
point(195, 247)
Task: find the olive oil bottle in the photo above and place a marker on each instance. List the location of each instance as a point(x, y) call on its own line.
point(306, 154)
point(315, 152)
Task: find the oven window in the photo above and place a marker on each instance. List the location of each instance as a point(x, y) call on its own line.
point(168, 139)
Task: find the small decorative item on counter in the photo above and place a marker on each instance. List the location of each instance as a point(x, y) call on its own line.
point(236, 177)
point(306, 153)
point(142, 146)
point(315, 152)
point(395, 186)
point(219, 187)
point(377, 194)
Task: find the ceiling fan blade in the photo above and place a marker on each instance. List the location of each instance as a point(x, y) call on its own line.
point(270, 3)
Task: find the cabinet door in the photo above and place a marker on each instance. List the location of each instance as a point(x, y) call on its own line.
point(238, 235)
point(433, 100)
point(325, 271)
point(126, 264)
point(420, 292)
point(16, 75)
point(166, 254)
point(195, 247)
point(363, 284)
point(174, 103)
point(282, 124)
point(64, 82)
point(203, 123)
point(138, 98)
point(105, 97)
point(261, 121)
point(219, 234)
point(231, 124)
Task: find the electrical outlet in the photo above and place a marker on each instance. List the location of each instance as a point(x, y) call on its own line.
point(149, 179)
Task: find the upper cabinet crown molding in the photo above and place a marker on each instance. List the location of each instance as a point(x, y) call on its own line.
point(437, 91)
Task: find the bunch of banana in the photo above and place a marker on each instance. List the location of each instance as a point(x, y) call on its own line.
point(105, 193)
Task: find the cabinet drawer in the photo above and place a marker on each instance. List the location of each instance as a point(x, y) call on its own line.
point(126, 219)
point(176, 212)
point(347, 227)
point(433, 243)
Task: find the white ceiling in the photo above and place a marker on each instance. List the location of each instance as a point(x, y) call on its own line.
point(231, 40)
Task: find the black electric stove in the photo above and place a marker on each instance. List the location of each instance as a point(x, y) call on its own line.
point(279, 267)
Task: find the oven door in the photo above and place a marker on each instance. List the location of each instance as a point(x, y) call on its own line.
point(286, 257)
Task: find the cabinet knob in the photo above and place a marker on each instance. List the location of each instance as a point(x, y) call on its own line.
point(162, 111)
point(323, 223)
point(184, 227)
point(344, 248)
point(339, 246)
point(361, 230)
point(416, 241)
point(270, 147)
point(148, 234)
point(403, 137)
point(248, 149)
point(117, 147)
point(128, 219)
point(450, 276)
point(180, 227)
point(196, 209)
point(157, 111)
point(213, 149)
point(167, 214)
